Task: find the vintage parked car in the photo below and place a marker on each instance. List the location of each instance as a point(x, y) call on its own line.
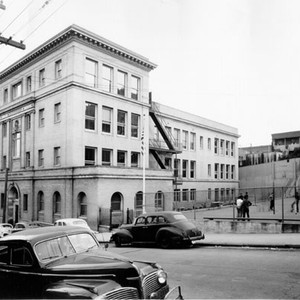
point(5, 229)
point(29, 225)
point(72, 222)
point(68, 262)
point(165, 228)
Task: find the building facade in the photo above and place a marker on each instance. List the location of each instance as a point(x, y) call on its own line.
point(76, 135)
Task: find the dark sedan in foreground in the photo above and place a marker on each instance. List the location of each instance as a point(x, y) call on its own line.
point(68, 263)
point(165, 228)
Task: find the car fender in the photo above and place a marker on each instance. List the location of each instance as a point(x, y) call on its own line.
point(124, 234)
point(85, 289)
point(170, 231)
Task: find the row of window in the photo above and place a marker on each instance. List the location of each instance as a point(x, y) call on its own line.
point(188, 141)
point(222, 194)
point(112, 80)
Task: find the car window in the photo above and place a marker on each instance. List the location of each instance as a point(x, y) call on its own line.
point(54, 248)
point(161, 219)
point(151, 220)
point(82, 242)
point(140, 221)
point(4, 255)
point(21, 256)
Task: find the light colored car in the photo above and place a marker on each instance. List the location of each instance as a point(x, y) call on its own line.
point(5, 229)
point(72, 222)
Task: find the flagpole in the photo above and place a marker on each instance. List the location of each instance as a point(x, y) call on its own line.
point(144, 165)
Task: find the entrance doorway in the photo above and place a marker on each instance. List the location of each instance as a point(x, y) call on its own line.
point(13, 205)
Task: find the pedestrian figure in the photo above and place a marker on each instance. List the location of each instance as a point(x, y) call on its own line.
point(295, 203)
point(272, 203)
point(239, 203)
point(245, 207)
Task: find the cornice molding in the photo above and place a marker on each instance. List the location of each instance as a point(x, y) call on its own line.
point(79, 34)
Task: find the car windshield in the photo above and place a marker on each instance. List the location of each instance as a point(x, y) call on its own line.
point(64, 246)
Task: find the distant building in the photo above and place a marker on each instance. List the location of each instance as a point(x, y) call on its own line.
point(76, 124)
point(286, 141)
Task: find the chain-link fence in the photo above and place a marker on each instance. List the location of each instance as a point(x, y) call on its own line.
point(267, 203)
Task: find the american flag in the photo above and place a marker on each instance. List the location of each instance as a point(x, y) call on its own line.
point(142, 143)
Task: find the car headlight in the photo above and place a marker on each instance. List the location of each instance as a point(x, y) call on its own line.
point(162, 277)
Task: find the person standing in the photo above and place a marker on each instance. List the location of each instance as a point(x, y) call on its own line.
point(239, 203)
point(295, 203)
point(245, 207)
point(272, 203)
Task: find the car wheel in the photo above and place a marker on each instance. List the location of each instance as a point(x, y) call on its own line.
point(165, 242)
point(118, 241)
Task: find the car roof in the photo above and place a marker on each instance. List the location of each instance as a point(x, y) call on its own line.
point(160, 213)
point(70, 219)
point(42, 233)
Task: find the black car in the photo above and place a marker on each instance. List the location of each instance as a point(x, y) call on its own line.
point(166, 229)
point(68, 262)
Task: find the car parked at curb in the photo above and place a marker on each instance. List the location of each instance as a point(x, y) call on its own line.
point(66, 262)
point(5, 229)
point(72, 222)
point(29, 225)
point(166, 229)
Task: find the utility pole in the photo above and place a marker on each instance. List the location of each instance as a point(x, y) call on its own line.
point(5, 197)
point(9, 41)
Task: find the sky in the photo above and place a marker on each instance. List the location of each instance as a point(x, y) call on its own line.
point(236, 62)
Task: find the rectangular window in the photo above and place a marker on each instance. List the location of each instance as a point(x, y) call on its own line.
point(209, 143)
point(27, 159)
point(4, 162)
point(17, 90)
point(232, 172)
point(121, 126)
point(201, 142)
point(121, 85)
point(216, 171)
point(177, 137)
point(222, 171)
point(25, 202)
point(227, 148)
point(177, 195)
point(135, 159)
point(41, 117)
point(222, 146)
point(184, 168)
point(42, 78)
point(28, 84)
point(192, 169)
point(135, 120)
point(41, 158)
point(185, 195)
point(135, 85)
point(227, 171)
point(91, 67)
point(192, 141)
point(56, 156)
point(57, 111)
point(16, 144)
point(107, 78)
point(58, 69)
point(4, 129)
point(90, 116)
point(209, 194)
point(232, 148)
point(106, 157)
point(121, 158)
point(28, 122)
point(106, 119)
point(209, 170)
point(193, 194)
point(216, 146)
point(90, 156)
point(5, 96)
point(184, 139)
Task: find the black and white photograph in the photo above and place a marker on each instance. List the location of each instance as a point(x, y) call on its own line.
point(149, 149)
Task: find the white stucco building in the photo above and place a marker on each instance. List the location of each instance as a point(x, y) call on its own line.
point(72, 116)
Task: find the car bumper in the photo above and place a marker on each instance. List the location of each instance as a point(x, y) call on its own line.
point(195, 238)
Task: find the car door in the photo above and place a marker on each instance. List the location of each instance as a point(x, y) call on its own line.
point(138, 230)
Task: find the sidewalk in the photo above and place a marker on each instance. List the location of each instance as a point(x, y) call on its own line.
point(268, 240)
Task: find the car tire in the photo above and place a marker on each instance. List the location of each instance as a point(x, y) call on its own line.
point(118, 242)
point(164, 242)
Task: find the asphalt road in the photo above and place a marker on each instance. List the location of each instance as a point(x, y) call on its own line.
point(226, 273)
